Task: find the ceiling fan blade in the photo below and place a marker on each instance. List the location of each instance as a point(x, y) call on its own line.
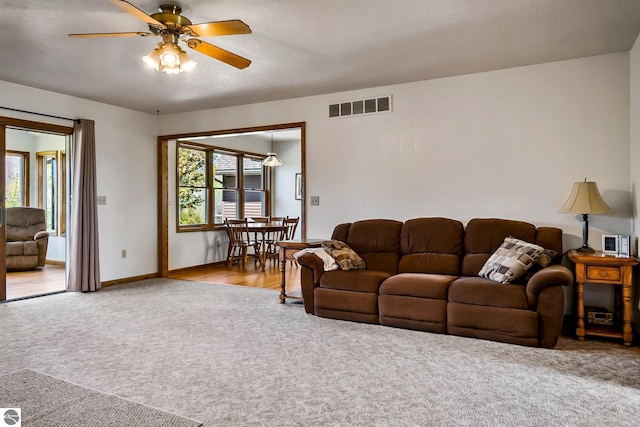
point(218, 28)
point(218, 53)
point(132, 10)
point(95, 35)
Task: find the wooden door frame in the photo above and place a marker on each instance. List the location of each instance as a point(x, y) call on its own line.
point(21, 124)
point(163, 181)
point(3, 227)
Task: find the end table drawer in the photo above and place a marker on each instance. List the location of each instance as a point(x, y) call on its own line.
point(603, 273)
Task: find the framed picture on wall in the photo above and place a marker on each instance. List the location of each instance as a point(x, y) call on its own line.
point(298, 186)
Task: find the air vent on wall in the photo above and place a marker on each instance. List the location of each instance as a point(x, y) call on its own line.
point(379, 104)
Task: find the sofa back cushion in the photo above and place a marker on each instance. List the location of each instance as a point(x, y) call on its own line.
point(431, 245)
point(377, 241)
point(550, 238)
point(484, 235)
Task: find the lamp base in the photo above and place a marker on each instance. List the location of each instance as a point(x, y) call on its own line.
point(585, 249)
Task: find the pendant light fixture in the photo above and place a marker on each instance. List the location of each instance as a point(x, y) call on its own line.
point(272, 159)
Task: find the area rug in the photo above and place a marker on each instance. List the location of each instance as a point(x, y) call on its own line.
point(50, 402)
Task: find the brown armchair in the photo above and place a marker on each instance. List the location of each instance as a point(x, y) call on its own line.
point(27, 238)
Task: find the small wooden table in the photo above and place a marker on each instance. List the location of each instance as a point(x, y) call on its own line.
point(595, 267)
point(287, 249)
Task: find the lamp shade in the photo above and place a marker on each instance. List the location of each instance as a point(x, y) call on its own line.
point(585, 199)
point(272, 160)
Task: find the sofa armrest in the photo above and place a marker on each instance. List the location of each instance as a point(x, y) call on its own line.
point(41, 235)
point(552, 275)
point(312, 268)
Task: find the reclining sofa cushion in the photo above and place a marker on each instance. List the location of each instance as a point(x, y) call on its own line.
point(503, 324)
point(431, 245)
point(353, 280)
point(377, 241)
point(415, 301)
point(484, 235)
point(22, 248)
point(419, 285)
point(346, 305)
point(484, 292)
point(416, 298)
point(353, 294)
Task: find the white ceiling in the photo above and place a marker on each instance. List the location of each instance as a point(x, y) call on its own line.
point(300, 47)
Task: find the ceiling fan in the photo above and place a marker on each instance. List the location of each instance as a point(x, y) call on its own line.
point(169, 24)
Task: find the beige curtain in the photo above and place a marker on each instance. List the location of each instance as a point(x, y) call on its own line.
point(84, 260)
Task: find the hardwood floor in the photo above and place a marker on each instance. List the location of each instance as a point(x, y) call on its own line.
point(21, 284)
point(269, 279)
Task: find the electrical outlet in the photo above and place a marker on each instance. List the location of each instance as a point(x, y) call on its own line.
point(124, 253)
point(315, 200)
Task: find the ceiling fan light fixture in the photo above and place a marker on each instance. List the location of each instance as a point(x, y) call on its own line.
point(186, 63)
point(169, 58)
point(170, 55)
point(169, 24)
point(152, 59)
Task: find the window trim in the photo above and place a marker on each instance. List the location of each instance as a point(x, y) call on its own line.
point(210, 188)
point(26, 174)
point(60, 190)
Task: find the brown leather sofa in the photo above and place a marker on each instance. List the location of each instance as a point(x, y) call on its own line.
point(27, 238)
point(423, 274)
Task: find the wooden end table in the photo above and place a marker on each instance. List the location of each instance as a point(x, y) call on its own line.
point(287, 249)
point(595, 267)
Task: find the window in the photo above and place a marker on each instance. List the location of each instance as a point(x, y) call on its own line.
point(225, 183)
point(255, 195)
point(216, 183)
point(52, 189)
point(192, 188)
point(16, 178)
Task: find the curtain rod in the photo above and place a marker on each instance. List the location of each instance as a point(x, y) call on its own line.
point(40, 114)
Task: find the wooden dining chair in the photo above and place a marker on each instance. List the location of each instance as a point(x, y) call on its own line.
point(261, 219)
point(239, 243)
point(289, 226)
point(271, 238)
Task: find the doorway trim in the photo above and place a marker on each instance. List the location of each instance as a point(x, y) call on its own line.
point(163, 181)
point(21, 124)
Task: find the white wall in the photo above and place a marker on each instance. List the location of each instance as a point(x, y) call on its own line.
point(126, 173)
point(284, 201)
point(506, 143)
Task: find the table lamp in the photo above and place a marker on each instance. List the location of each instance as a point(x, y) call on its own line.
point(585, 199)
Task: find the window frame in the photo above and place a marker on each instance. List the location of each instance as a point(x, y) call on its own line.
point(60, 188)
point(26, 174)
point(210, 224)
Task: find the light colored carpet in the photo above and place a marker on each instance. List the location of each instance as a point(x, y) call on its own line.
point(233, 356)
point(47, 401)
